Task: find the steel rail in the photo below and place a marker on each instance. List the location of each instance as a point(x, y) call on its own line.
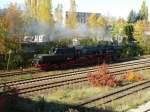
point(115, 94)
point(54, 84)
point(57, 76)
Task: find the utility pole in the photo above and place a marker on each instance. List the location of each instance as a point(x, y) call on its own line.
point(9, 53)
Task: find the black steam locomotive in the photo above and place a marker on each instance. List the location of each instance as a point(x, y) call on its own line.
point(67, 57)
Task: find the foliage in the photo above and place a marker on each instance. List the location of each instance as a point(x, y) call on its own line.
point(3, 26)
point(71, 20)
point(139, 27)
point(13, 16)
point(146, 49)
point(101, 22)
point(93, 21)
point(131, 49)
point(132, 76)
point(118, 28)
point(88, 41)
point(41, 10)
point(11, 28)
point(143, 40)
point(132, 18)
point(129, 30)
point(61, 42)
point(143, 13)
point(102, 77)
point(2, 45)
point(59, 14)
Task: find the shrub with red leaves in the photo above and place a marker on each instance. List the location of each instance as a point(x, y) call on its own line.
point(101, 77)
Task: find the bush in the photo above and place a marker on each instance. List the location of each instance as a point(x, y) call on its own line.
point(132, 76)
point(102, 77)
point(131, 50)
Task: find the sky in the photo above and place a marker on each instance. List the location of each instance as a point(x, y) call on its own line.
point(116, 8)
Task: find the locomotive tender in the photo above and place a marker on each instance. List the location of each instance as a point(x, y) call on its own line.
point(66, 57)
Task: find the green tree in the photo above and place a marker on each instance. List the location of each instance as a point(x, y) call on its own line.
point(61, 42)
point(58, 13)
point(132, 18)
point(71, 20)
point(118, 28)
point(143, 13)
point(129, 30)
point(88, 41)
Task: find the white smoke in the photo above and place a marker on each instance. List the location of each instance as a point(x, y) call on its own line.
point(59, 31)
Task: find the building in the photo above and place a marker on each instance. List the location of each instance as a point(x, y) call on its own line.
point(36, 39)
point(2, 12)
point(83, 16)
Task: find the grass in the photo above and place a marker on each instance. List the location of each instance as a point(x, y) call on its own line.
point(24, 77)
point(128, 102)
point(75, 94)
point(46, 104)
point(72, 95)
point(15, 78)
point(145, 74)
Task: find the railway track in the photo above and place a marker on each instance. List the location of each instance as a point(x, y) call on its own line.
point(115, 94)
point(30, 89)
point(76, 72)
point(15, 73)
point(9, 74)
point(59, 80)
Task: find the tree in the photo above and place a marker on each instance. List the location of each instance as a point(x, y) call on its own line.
point(92, 21)
point(118, 28)
point(3, 27)
point(139, 30)
point(88, 41)
point(58, 13)
point(2, 45)
point(143, 13)
point(132, 18)
point(32, 6)
point(41, 10)
point(13, 16)
point(129, 30)
point(45, 14)
point(101, 21)
point(11, 24)
point(71, 20)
